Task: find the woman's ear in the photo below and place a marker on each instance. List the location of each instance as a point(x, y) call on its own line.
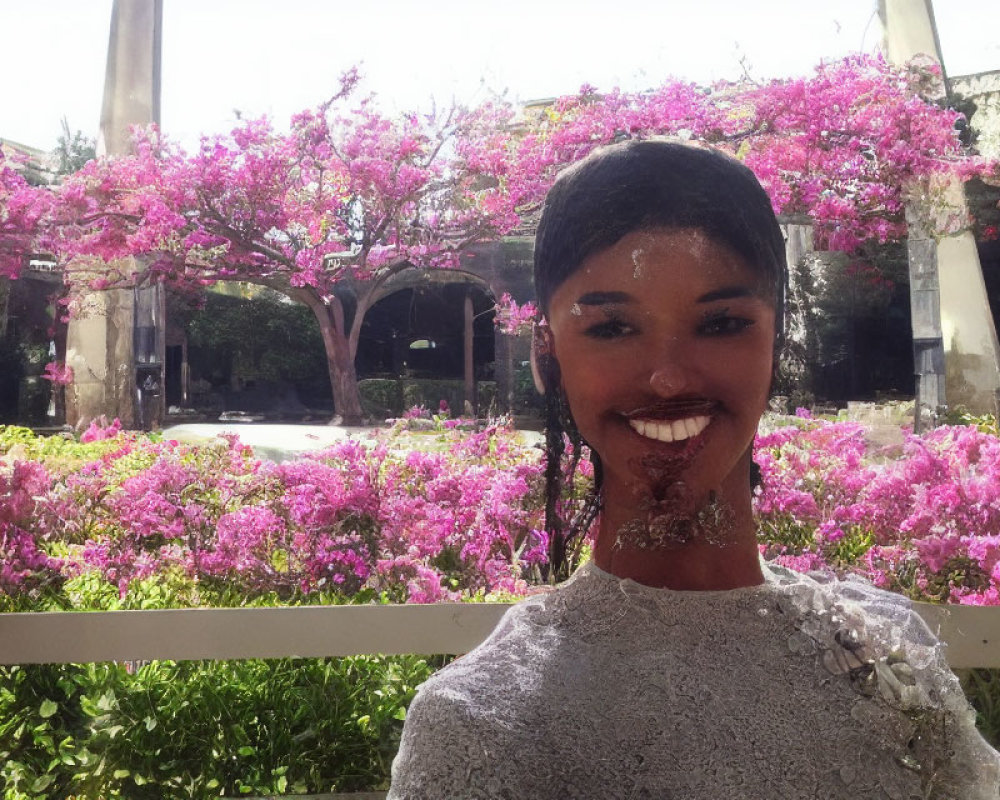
point(541, 350)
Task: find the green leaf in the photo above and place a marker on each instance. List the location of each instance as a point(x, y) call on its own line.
point(150, 723)
point(118, 774)
point(48, 708)
point(89, 707)
point(282, 784)
point(42, 782)
point(246, 750)
point(107, 701)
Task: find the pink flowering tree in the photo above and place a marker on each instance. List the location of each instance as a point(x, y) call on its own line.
point(20, 210)
point(842, 147)
point(514, 319)
point(328, 212)
point(325, 214)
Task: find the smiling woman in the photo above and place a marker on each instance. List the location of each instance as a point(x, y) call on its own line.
point(677, 663)
point(660, 269)
point(665, 347)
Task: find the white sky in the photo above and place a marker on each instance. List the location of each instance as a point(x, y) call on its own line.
point(276, 57)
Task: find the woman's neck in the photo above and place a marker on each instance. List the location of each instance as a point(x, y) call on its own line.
point(717, 551)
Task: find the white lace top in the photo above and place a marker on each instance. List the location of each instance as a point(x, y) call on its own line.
point(605, 688)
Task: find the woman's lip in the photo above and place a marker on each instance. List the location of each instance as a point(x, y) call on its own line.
point(679, 408)
point(671, 430)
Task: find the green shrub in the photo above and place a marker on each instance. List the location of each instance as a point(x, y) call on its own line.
point(204, 728)
point(381, 398)
point(384, 398)
point(982, 687)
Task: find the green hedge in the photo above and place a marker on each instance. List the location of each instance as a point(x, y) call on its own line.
point(203, 728)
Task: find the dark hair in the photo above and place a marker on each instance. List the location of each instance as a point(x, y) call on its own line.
point(641, 185)
point(624, 188)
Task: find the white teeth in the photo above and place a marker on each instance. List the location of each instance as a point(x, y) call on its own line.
point(667, 431)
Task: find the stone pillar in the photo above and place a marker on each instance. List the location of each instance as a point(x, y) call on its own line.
point(100, 340)
point(956, 357)
point(925, 320)
point(503, 370)
point(132, 77)
point(968, 331)
point(469, 370)
point(909, 30)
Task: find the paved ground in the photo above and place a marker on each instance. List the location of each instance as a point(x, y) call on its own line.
point(276, 442)
point(284, 442)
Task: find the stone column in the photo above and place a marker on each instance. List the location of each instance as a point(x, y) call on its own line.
point(956, 356)
point(100, 346)
point(469, 361)
point(503, 371)
point(925, 321)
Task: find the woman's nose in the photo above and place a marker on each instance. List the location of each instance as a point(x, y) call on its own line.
point(670, 375)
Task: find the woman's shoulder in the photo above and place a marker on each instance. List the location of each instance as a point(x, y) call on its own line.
point(850, 606)
point(820, 659)
point(515, 650)
point(464, 727)
point(877, 639)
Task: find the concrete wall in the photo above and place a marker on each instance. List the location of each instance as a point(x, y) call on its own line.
point(984, 90)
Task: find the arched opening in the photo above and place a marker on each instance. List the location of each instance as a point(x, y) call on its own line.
point(432, 336)
point(241, 349)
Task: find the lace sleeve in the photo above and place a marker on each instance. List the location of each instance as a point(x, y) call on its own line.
point(955, 759)
point(966, 766)
point(446, 752)
point(453, 743)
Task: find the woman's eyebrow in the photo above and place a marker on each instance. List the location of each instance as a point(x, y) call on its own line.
point(604, 298)
point(726, 293)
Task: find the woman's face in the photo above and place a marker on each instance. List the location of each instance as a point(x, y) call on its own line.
point(665, 345)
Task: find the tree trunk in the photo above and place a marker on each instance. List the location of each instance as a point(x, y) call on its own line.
point(344, 380)
point(340, 363)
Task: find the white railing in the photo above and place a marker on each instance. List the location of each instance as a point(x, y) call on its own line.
point(74, 637)
point(972, 634)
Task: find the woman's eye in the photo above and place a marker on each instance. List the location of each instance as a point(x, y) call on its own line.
point(610, 329)
point(724, 325)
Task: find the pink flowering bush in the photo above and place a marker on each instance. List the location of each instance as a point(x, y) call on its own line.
point(356, 521)
point(418, 515)
point(25, 568)
point(59, 373)
point(924, 522)
point(101, 429)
